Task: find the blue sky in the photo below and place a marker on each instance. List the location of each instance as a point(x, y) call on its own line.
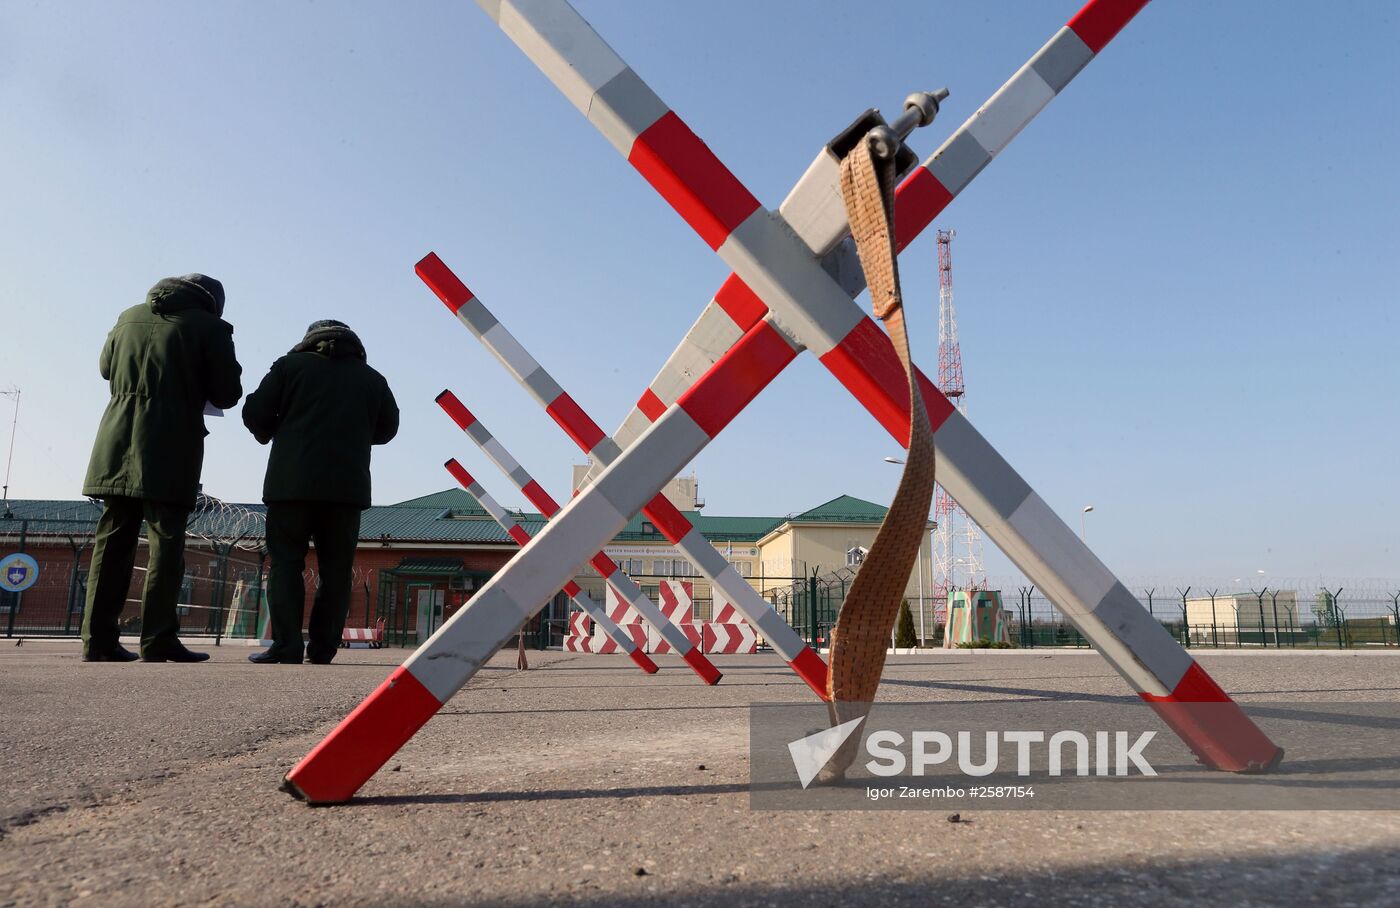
point(1176, 288)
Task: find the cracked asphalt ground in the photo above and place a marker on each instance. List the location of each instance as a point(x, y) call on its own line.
point(579, 782)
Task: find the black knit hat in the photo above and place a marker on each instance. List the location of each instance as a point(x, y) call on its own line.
point(331, 338)
point(210, 286)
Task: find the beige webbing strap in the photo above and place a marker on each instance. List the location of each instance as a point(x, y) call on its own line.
point(862, 632)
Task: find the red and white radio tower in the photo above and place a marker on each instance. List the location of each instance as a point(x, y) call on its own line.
point(957, 542)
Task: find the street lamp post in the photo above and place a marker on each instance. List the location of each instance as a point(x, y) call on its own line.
point(1082, 526)
point(9, 459)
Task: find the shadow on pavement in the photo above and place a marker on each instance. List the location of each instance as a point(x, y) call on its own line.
point(568, 794)
point(1366, 877)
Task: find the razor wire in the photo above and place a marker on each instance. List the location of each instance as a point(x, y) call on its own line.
point(225, 524)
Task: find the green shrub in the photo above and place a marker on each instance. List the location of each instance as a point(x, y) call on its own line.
point(904, 637)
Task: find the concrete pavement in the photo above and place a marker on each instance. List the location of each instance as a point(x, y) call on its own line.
point(581, 782)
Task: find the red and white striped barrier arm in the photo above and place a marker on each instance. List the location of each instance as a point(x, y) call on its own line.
point(778, 260)
point(616, 578)
point(355, 749)
point(672, 524)
point(689, 176)
point(521, 536)
point(817, 217)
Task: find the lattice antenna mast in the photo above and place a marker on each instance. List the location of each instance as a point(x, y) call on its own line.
point(950, 371)
point(957, 543)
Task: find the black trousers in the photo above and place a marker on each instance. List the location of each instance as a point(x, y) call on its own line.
point(291, 527)
point(109, 575)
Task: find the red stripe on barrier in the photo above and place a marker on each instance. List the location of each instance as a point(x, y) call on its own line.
point(440, 279)
point(518, 534)
point(688, 175)
point(1213, 726)
point(740, 303)
point(540, 498)
point(455, 409)
point(1196, 686)
point(738, 376)
point(865, 362)
point(363, 741)
point(605, 565)
point(643, 661)
point(571, 589)
point(651, 405)
point(1100, 20)
point(810, 668)
point(702, 666)
point(459, 473)
point(571, 418)
point(668, 518)
point(917, 201)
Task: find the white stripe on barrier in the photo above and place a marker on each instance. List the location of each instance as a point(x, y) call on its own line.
point(490, 505)
point(541, 26)
point(708, 339)
point(1008, 111)
point(499, 456)
point(679, 442)
point(776, 265)
point(513, 356)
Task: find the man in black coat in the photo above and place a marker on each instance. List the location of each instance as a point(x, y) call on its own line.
point(322, 407)
point(165, 359)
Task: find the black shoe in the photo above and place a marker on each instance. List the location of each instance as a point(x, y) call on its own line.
point(320, 660)
point(271, 658)
point(116, 653)
point(176, 653)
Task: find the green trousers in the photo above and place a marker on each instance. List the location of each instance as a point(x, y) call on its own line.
point(291, 527)
point(109, 576)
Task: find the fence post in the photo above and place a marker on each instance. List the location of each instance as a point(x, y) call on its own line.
point(1336, 610)
point(1395, 610)
point(1027, 616)
point(18, 598)
point(1150, 612)
point(1260, 596)
point(1185, 624)
point(220, 587)
point(1274, 598)
point(260, 598)
point(78, 549)
point(812, 609)
point(1215, 623)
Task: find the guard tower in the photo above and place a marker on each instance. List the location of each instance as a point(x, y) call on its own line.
point(975, 615)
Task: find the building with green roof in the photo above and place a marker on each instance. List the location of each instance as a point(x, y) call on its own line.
point(423, 558)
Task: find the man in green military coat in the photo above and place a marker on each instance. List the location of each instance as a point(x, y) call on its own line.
point(164, 361)
point(322, 406)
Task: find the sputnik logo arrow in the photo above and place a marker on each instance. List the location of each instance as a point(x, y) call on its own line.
point(811, 753)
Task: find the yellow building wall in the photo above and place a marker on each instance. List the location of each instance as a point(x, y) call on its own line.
point(796, 550)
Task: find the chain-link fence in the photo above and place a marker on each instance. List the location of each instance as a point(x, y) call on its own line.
point(1306, 614)
point(224, 590)
point(1324, 617)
